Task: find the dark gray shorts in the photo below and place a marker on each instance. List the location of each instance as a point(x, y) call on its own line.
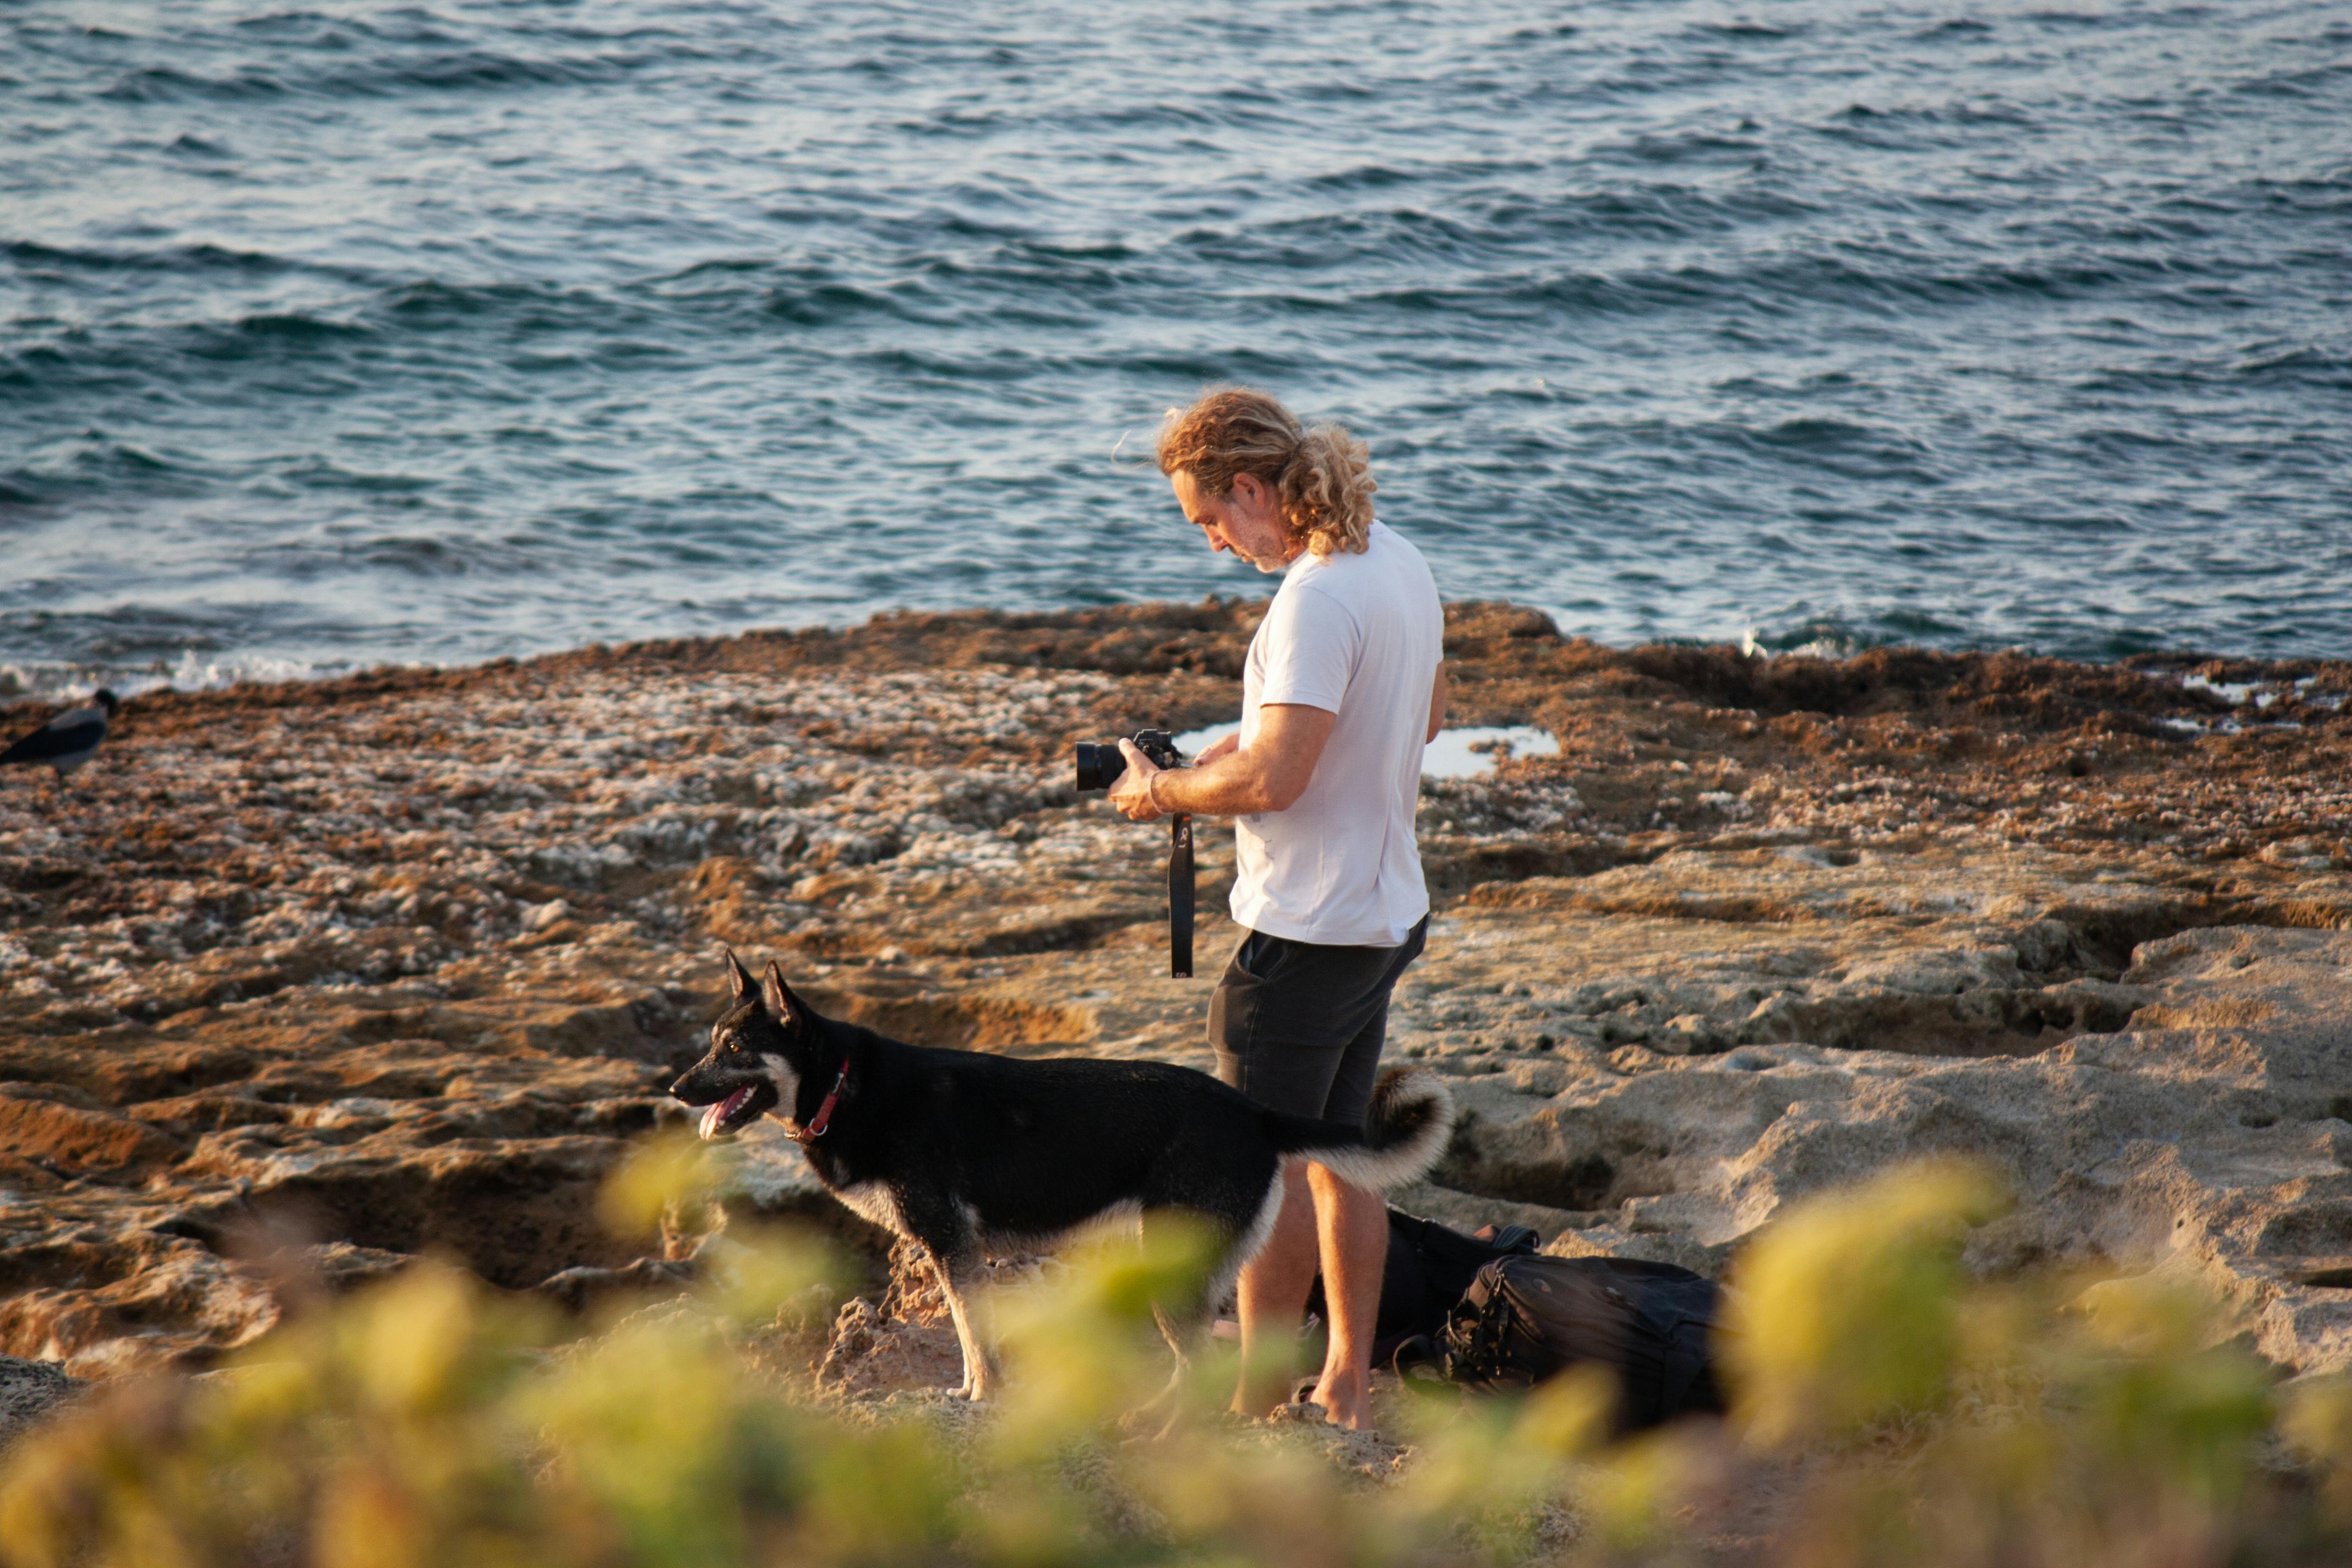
point(1298, 1025)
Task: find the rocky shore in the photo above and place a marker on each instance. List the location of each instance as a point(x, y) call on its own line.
point(297, 981)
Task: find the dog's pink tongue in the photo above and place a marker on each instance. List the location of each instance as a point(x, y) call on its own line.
point(717, 1115)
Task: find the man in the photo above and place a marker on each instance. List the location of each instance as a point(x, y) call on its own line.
point(1343, 688)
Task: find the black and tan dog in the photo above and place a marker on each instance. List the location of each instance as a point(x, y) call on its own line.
point(969, 1153)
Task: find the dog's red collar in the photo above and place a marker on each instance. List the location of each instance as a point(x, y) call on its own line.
point(824, 1117)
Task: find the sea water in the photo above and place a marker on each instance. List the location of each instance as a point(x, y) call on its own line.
point(341, 333)
point(1466, 752)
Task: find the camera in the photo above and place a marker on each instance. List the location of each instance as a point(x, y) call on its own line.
point(1100, 766)
point(1100, 763)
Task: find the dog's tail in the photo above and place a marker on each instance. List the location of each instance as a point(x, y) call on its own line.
point(1403, 1134)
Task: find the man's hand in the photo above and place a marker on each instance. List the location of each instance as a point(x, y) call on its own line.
point(1228, 780)
point(1132, 793)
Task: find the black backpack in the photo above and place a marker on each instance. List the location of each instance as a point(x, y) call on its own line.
point(1427, 1268)
point(1526, 1318)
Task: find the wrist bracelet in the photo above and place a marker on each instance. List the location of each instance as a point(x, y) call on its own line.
point(1151, 792)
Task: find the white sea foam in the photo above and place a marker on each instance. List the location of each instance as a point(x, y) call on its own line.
point(2233, 693)
point(1826, 646)
point(2263, 695)
point(41, 682)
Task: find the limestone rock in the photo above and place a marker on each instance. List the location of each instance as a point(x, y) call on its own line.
point(310, 978)
point(29, 1391)
point(2194, 1115)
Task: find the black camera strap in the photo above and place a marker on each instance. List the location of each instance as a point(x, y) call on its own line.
point(1179, 897)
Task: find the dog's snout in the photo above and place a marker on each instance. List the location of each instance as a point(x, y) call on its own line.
point(691, 1086)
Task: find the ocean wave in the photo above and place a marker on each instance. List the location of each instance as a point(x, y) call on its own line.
point(1814, 434)
point(283, 23)
point(822, 304)
point(1772, 284)
point(2304, 82)
point(123, 637)
point(531, 307)
point(1042, 283)
point(370, 554)
point(1758, 31)
point(95, 461)
point(459, 69)
point(2300, 362)
point(176, 260)
point(469, 69)
point(268, 337)
point(47, 682)
point(169, 84)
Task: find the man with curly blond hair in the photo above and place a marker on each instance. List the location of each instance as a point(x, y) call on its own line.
point(1344, 685)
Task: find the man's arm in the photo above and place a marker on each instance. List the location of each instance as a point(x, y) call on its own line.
point(1437, 704)
point(1267, 776)
point(1224, 746)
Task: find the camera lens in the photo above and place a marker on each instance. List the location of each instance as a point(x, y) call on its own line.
point(1100, 766)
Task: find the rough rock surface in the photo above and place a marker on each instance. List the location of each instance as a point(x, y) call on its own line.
point(29, 1390)
point(296, 982)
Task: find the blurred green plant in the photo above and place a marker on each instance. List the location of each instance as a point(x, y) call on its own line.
point(1850, 1310)
point(1890, 1410)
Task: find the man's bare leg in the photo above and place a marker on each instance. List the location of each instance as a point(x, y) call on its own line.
point(1271, 1297)
point(1352, 1232)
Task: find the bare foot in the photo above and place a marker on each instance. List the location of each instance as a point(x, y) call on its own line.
point(1349, 1400)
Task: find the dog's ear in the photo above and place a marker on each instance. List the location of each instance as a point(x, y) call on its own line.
point(744, 987)
point(783, 1005)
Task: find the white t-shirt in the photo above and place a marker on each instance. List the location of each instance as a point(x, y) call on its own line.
point(1359, 636)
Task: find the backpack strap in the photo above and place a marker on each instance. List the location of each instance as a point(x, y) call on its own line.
point(1471, 1350)
point(1513, 1239)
